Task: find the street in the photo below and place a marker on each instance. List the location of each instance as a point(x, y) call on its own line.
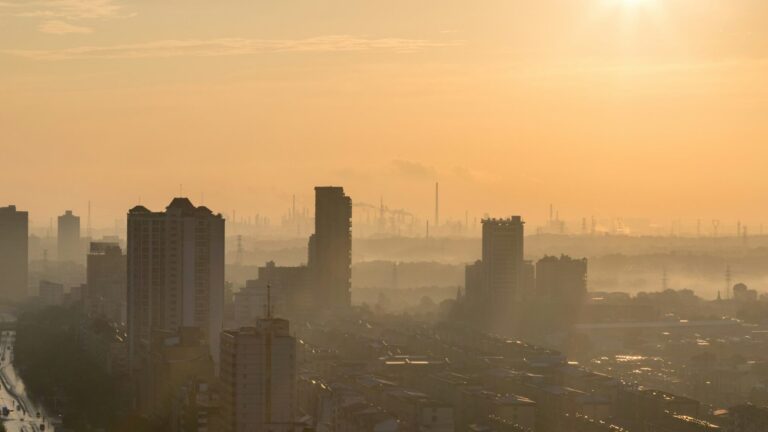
point(23, 413)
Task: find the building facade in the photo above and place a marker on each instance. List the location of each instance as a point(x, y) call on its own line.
point(330, 250)
point(14, 251)
point(503, 258)
point(258, 378)
point(562, 279)
point(496, 284)
point(175, 267)
point(106, 279)
point(68, 238)
point(286, 289)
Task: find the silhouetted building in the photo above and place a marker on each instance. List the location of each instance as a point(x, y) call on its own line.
point(562, 279)
point(69, 238)
point(258, 376)
point(743, 294)
point(500, 280)
point(475, 291)
point(106, 278)
point(330, 247)
point(288, 288)
point(503, 259)
point(175, 273)
point(14, 250)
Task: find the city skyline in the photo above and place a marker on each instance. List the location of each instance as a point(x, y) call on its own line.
point(383, 216)
point(545, 220)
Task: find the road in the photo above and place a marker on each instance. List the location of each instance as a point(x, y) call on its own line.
point(23, 414)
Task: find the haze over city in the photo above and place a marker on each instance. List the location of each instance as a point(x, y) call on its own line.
point(367, 216)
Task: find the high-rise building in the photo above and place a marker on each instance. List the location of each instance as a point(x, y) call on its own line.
point(285, 288)
point(330, 255)
point(105, 287)
point(69, 238)
point(503, 261)
point(258, 377)
point(561, 279)
point(14, 250)
point(501, 280)
point(175, 274)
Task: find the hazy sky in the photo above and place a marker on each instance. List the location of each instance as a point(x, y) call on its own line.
point(609, 107)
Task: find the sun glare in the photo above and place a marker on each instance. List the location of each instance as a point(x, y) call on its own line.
point(632, 7)
point(634, 4)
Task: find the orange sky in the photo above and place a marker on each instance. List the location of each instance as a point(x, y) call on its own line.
point(655, 108)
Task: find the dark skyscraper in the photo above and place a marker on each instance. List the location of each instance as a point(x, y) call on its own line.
point(14, 250)
point(330, 255)
point(69, 238)
point(503, 259)
point(175, 273)
point(497, 284)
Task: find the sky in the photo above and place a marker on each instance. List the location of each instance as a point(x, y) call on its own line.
point(648, 108)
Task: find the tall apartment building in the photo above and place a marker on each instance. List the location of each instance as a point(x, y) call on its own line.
point(503, 261)
point(258, 377)
point(175, 274)
point(14, 251)
point(496, 285)
point(105, 284)
point(330, 250)
point(68, 238)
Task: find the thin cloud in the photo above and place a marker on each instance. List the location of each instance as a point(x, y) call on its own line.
point(413, 169)
point(62, 27)
point(234, 46)
point(474, 176)
point(66, 9)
